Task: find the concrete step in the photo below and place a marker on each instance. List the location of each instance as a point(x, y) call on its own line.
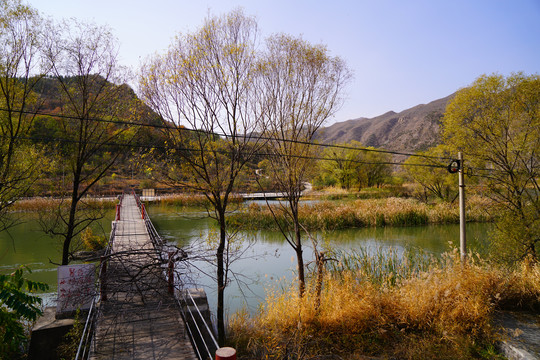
point(520, 335)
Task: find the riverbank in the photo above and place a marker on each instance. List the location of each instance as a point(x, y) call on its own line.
point(444, 312)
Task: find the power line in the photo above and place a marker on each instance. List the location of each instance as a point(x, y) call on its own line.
point(156, 126)
point(223, 152)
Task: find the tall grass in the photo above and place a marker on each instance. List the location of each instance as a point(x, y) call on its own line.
point(332, 215)
point(381, 266)
point(444, 311)
point(338, 193)
point(46, 204)
point(191, 200)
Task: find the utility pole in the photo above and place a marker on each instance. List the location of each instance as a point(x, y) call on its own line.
point(462, 234)
point(456, 166)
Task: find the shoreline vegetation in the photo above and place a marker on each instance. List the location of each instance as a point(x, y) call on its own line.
point(444, 310)
point(316, 212)
point(335, 215)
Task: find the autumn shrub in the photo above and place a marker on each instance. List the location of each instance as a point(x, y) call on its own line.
point(440, 311)
point(91, 241)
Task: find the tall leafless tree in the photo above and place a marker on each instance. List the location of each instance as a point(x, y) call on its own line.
point(206, 82)
point(83, 62)
point(303, 87)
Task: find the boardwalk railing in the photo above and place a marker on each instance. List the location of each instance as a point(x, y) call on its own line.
point(200, 334)
point(202, 337)
point(89, 326)
point(88, 332)
point(198, 328)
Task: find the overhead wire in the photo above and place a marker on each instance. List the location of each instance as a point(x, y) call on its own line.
point(163, 147)
point(162, 126)
point(468, 169)
point(223, 152)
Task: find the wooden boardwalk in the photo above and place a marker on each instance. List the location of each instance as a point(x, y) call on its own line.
point(139, 319)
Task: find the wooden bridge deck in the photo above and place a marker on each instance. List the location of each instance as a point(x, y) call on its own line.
point(139, 319)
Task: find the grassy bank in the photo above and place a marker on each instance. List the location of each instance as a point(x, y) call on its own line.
point(442, 312)
point(332, 215)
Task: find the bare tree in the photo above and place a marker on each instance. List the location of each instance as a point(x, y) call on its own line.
point(19, 66)
point(302, 84)
point(206, 82)
point(83, 62)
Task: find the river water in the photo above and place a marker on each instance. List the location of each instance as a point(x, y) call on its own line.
point(266, 261)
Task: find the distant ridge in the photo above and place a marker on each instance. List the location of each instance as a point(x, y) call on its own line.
point(413, 129)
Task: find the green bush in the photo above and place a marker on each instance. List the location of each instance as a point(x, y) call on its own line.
point(17, 307)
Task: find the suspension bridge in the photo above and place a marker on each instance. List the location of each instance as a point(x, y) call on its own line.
point(139, 313)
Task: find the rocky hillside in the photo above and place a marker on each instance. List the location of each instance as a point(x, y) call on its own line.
point(411, 130)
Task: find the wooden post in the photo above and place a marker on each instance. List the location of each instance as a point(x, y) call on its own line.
point(142, 210)
point(462, 234)
point(118, 212)
point(226, 353)
point(103, 285)
point(170, 273)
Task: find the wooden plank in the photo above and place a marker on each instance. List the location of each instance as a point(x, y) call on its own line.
point(140, 320)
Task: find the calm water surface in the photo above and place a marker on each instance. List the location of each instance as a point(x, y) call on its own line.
point(267, 258)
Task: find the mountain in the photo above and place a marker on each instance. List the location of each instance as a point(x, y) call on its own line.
point(411, 130)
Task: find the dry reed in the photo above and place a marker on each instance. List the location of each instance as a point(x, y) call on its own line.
point(445, 312)
point(333, 215)
point(38, 204)
point(191, 200)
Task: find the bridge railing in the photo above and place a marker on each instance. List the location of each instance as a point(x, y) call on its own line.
point(152, 232)
point(88, 332)
point(202, 337)
point(87, 337)
point(157, 240)
point(200, 333)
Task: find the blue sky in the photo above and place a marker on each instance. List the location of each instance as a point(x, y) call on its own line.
point(402, 53)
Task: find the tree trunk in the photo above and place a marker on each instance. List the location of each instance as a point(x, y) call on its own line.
point(221, 279)
point(300, 259)
point(71, 221)
point(319, 258)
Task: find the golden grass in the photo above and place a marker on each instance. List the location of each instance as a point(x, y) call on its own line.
point(443, 313)
point(191, 200)
point(332, 215)
point(37, 204)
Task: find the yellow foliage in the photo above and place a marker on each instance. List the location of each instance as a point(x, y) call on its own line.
point(448, 308)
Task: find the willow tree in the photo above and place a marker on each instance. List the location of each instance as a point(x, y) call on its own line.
point(302, 86)
point(353, 164)
point(428, 169)
point(203, 88)
point(496, 124)
point(342, 164)
point(83, 66)
point(19, 61)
